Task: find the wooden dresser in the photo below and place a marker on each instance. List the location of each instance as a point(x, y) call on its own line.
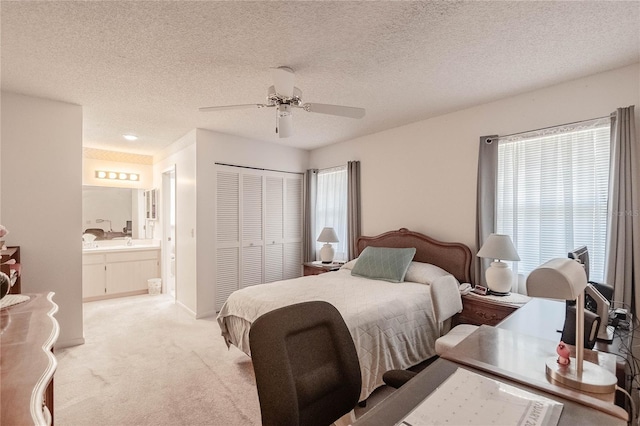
point(489, 310)
point(27, 363)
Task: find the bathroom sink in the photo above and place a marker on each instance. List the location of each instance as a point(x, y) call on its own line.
point(121, 247)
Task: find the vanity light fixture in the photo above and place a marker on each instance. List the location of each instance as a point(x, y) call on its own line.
point(102, 174)
point(130, 137)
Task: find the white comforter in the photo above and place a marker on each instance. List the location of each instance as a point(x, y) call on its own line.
point(394, 325)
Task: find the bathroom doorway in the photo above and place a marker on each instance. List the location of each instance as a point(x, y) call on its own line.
point(169, 231)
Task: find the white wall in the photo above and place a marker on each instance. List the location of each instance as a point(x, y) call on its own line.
point(423, 176)
point(42, 201)
point(182, 155)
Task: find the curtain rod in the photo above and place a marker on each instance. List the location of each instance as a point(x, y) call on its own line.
point(557, 125)
point(332, 167)
point(257, 168)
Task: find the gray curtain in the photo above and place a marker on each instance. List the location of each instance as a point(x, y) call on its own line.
point(486, 200)
point(623, 232)
point(353, 207)
point(309, 226)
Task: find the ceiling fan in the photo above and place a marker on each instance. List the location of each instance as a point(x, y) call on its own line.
point(284, 96)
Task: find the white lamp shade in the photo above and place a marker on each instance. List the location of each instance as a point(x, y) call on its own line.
point(560, 278)
point(498, 246)
point(328, 235)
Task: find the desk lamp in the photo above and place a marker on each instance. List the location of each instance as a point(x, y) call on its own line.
point(499, 247)
point(327, 236)
point(566, 279)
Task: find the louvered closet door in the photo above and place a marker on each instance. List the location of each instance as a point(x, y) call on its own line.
point(227, 234)
point(293, 227)
point(274, 228)
point(258, 228)
point(252, 229)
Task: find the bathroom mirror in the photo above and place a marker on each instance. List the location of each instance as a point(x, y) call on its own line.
point(112, 212)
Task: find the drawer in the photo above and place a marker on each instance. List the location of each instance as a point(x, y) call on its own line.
point(92, 259)
point(132, 256)
point(479, 312)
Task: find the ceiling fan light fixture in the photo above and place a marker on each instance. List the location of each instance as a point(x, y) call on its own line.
point(130, 137)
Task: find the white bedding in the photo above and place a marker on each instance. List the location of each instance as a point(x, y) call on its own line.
point(394, 325)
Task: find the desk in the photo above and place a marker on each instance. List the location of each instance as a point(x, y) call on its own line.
point(402, 401)
point(515, 356)
point(544, 319)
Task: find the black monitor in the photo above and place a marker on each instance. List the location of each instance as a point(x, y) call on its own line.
point(581, 254)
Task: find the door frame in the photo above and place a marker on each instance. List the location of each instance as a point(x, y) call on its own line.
point(167, 235)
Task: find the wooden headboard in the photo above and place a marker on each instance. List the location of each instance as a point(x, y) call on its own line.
point(454, 258)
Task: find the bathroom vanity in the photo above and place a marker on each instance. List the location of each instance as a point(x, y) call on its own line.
point(118, 270)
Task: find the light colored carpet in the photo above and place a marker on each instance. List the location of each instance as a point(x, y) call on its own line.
point(147, 362)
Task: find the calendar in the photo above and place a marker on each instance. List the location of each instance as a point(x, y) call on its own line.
point(468, 398)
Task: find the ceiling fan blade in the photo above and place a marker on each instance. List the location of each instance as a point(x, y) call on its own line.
point(344, 111)
point(224, 107)
point(284, 121)
point(283, 81)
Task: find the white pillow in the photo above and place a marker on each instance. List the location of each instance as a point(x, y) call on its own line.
point(424, 273)
point(350, 264)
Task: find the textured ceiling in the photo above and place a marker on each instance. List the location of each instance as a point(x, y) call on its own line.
point(145, 67)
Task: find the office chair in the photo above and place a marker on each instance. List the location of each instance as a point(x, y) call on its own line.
point(306, 365)
point(591, 326)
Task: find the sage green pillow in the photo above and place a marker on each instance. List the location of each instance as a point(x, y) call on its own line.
point(384, 263)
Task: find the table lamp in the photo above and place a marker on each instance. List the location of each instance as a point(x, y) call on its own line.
point(566, 279)
point(499, 277)
point(327, 236)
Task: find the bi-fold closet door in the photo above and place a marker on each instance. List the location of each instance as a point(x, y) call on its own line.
point(258, 228)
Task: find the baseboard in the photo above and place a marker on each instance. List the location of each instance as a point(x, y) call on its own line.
point(69, 343)
point(115, 295)
point(206, 314)
point(183, 306)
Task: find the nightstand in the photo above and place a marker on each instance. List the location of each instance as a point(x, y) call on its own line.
point(317, 267)
point(489, 310)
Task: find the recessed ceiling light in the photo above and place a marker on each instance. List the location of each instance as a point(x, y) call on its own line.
point(130, 137)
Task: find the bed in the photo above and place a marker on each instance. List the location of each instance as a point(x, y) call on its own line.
point(393, 324)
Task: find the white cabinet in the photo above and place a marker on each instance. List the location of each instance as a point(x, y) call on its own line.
point(151, 202)
point(258, 228)
point(94, 278)
point(120, 273)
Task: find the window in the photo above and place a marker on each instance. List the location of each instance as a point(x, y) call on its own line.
point(552, 193)
point(331, 208)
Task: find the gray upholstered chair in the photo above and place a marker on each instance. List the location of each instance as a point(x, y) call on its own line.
point(306, 365)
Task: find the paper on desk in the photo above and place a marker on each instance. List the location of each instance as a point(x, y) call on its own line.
point(469, 398)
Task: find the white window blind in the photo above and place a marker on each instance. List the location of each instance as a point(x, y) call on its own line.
point(552, 193)
point(331, 208)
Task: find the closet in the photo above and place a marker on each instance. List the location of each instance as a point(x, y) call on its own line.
point(258, 228)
